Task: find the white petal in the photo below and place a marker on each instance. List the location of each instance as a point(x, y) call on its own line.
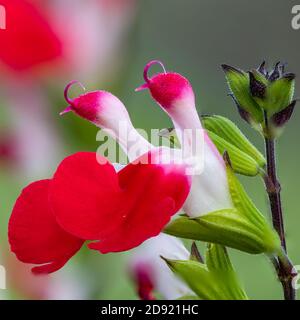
point(165, 282)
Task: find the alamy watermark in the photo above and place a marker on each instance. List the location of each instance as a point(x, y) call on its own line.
point(296, 17)
point(127, 143)
point(2, 18)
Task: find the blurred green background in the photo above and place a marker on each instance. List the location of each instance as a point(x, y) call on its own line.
point(192, 37)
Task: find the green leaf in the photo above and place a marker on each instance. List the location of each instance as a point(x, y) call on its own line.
point(227, 130)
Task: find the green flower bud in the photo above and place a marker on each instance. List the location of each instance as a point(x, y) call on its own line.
point(215, 280)
point(228, 131)
point(260, 91)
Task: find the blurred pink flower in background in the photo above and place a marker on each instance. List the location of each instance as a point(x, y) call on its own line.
point(48, 42)
point(59, 36)
point(66, 284)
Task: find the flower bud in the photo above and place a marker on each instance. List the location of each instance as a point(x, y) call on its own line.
point(215, 280)
point(259, 91)
point(228, 137)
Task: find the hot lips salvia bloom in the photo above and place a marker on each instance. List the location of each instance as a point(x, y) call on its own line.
point(175, 95)
point(88, 200)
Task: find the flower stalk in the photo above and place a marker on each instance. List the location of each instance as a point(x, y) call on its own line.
point(283, 265)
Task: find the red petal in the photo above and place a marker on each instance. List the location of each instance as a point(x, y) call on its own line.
point(28, 39)
point(84, 196)
point(142, 223)
point(153, 193)
point(33, 233)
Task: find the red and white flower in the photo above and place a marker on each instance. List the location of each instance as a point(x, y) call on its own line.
point(175, 95)
point(148, 270)
point(86, 200)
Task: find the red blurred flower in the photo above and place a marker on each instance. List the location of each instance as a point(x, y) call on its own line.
point(28, 39)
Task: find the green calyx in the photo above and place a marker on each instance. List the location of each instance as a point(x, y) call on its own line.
point(278, 93)
point(244, 156)
point(238, 82)
point(214, 280)
point(242, 227)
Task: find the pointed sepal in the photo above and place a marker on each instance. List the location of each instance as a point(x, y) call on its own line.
point(281, 118)
point(195, 253)
point(239, 85)
point(280, 94)
point(218, 263)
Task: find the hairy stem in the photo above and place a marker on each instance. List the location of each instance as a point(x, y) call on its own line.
point(273, 189)
point(282, 263)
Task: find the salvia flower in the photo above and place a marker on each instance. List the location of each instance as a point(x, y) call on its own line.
point(147, 269)
point(175, 95)
point(106, 111)
point(89, 200)
point(221, 210)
